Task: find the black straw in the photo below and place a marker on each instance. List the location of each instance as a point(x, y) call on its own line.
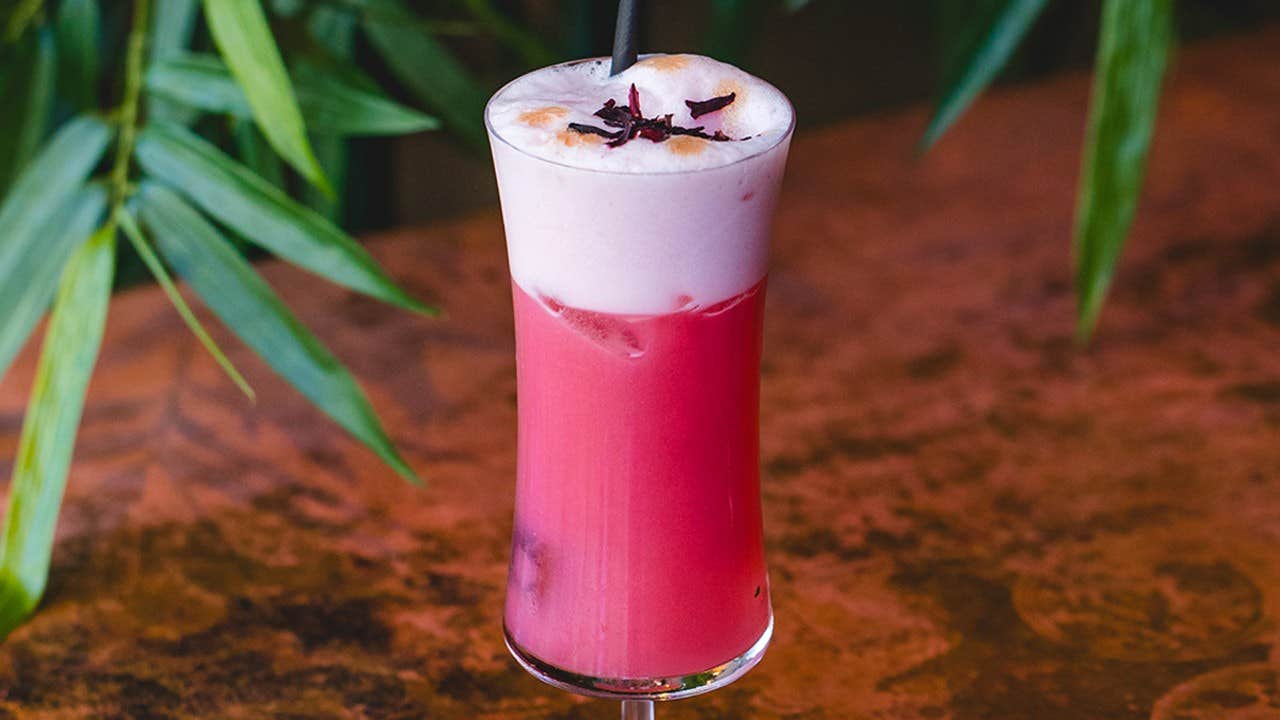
point(624, 36)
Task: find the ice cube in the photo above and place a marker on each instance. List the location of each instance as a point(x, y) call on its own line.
point(685, 303)
point(613, 333)
point(528, 560)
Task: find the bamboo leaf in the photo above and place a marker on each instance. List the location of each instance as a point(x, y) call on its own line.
point(56, 173)
point(330, 103)
point(27, 103)
point(331, 150)
point(426, 68)
point(1132, 53)
point(172, 22)
point(340, 107)
point(29, 274)
point(240, 30)
point(143, 248)
point(77, 32)
point(49, 430)
point(262, 213)
point(198, 81)
point(21, 13)
point(246, 304)
point(286, 8)
point(31, 222)
point(981, 62)
point(335, 29)
point(256, 153)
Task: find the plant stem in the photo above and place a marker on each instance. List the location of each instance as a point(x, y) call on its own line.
point(128, 113)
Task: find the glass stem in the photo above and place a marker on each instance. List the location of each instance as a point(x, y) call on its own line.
point(637, 710)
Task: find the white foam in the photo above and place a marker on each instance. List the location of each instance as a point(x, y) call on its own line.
point(642, 228)
point(533, 113)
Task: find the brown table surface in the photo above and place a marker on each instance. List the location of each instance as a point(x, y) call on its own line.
point(966, 517)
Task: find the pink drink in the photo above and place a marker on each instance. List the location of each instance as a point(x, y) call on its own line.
point(638, 549)
point(638, 273)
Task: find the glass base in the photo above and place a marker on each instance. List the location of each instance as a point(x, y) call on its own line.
point(657, 688)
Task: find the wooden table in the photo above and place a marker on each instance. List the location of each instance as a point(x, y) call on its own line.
point(966, 517)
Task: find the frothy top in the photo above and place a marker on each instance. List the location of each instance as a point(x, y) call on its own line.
point(645, 227)
point(534, 111)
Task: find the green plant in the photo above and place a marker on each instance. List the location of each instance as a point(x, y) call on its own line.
point(982, 37)
point(233, 130)
point(152, 167)
point(1133, 47)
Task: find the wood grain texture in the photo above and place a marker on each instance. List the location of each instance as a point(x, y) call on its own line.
point(966, 517)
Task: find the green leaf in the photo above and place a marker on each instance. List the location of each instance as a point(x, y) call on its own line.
point(134, 233)
point(256, 153)
point(1132, 52)
point(31, 222)
point(337, 106)
point(334, 28)
point(286, 8)
point(244, 39)
point(52, 177)
point(21, 13)
point(246, 304)
point(27, 102)
point(77, 31)
point(29, 273)
point(198, 81)
point(427, 69)
point(792, 6)
point(331, 150)
point(262, 213)
point(70, 351)
point(172, 22)
point(979, 64)
point(331, 104)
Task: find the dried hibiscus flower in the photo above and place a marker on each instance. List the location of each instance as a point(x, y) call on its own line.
point(698, 108)
point(631, 123)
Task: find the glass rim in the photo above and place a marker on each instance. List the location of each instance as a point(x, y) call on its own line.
point(493, 133)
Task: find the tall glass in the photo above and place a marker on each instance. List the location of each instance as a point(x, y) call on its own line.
point(637, 561)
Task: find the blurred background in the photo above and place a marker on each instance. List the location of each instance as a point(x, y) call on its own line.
point(836, 59)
